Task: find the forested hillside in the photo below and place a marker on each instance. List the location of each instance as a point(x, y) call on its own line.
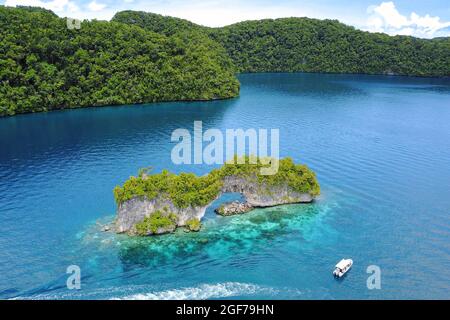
point(158, 23)
point(311, 45)
point(142, 57)
point(44, 65)
point(302, 44)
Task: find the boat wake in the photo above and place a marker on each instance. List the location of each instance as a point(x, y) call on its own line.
point(200, 292)
point(204, 291)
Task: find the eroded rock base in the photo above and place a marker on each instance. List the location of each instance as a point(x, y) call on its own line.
point(232, 208)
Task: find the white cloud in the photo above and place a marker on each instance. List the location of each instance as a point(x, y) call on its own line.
point(94, 6)
point(57, 6)
point(386, 18)
point(383, 17)
point(67, 8)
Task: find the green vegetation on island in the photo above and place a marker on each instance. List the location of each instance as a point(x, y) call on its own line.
point(44, 65)
point(184, 190)
point(158, 220)
point(193, 224)
point(312, 45)
point(188, 189)
point(156, 22)
point(297, 176)
point(143, 57)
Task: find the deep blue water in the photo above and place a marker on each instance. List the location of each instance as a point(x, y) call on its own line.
point(380, 147)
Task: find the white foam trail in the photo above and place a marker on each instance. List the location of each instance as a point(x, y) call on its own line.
point(200, 292)
point(204, 291)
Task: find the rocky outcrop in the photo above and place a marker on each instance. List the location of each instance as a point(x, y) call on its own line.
point(259, 194)
point(232, 208)
point(193, 225)
point(256, 194)
point(135, 210)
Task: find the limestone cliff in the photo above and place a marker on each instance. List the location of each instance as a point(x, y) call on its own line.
point(259, 194)
point(135, 210)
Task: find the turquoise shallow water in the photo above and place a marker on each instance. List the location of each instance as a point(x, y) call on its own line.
point(380, 147)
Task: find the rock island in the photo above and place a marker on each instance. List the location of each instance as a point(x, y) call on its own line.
point(152, 204)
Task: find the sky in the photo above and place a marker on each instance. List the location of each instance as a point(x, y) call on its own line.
point(425, 19)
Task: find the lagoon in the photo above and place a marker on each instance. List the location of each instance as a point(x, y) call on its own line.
point(380, 146)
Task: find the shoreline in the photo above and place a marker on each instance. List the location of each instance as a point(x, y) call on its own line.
point(95, 107)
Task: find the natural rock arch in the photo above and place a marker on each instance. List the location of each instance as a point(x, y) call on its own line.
point(140, 205)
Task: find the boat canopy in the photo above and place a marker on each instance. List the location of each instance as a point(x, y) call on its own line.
point(342, 264)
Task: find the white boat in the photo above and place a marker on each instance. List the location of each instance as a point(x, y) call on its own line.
point(342, 267)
